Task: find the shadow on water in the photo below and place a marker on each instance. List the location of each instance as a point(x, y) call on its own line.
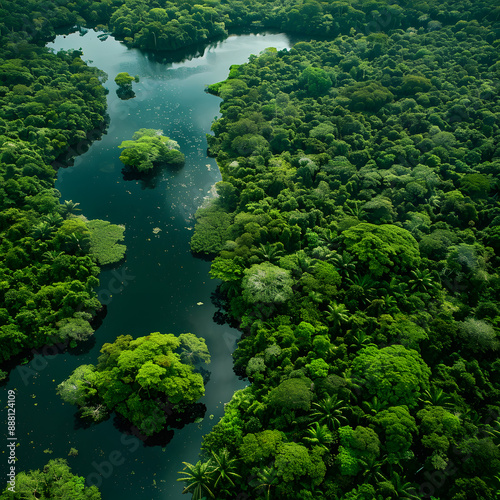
point(125, 93)
point(151, 179)
point(176, 418)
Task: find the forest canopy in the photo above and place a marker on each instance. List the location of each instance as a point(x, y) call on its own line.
point(355, 231)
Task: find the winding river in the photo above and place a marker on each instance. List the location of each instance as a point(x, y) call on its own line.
point(160, 287)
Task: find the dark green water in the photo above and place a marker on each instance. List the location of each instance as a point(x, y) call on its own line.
point(160, 284)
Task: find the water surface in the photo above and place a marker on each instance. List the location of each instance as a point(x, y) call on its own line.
point(160, 285)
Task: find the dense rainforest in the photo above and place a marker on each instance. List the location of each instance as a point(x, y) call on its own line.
point(355, 233)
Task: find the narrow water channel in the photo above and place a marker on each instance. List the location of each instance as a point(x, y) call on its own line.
point(160, 287)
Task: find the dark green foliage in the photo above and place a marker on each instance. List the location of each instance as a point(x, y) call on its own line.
point(375, 194)
point(47, 272)
point(356, 230)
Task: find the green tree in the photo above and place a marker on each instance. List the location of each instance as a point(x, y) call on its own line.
point(357, 446)
point(396, 375)
point(315, 81)
point(267, 283)
point(329, 411)
point(198, 479)
point(382, 248)
point(124, 80)
point(54, 481)
point(398, 426)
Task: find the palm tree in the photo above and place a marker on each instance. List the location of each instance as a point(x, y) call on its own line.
point(267, 478)
point(436, 397)
point(337, 315)
point(230, 288)
point(305, 263)
point(343, 263)
point(374, 406)
point(403, 488)
point(319, 435)
point(269, 252)
point(422, 281)
point(364, 281)
point(352, 383)
point(373, 471)
point(396, 288)
point(68, 207)
point(74, 242)
point(224, 467)
point(42, 231)
point(329, 411)
point(52, 255)
point(53, 219)
point(328, 238)
point(316, 297)
point(355, 210)
point(360, 339)
point(390, 303)
point(198, 479)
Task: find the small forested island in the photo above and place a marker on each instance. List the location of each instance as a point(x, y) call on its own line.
point(145, 380)
point(355, 233)
point(124, 82)
point(148, 150)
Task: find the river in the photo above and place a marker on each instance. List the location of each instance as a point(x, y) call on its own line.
point(161, 286)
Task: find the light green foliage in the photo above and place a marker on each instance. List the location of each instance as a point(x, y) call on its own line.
point(317, 368)
point(137, 378)
point(357, 447)
point(291, 395)
point(438, 427)
point(54, 481)
point(370, 96)
point(79, 386)
point(398, 426)
point(406, 332)
point(149, 148)
point(476, 185)
point(382, 248)
point(77, 328)
point(293, 461)
point(439, 420)
point(193, 349)
point(260, 446)
point(124, 80)
point(211, 230)
point(405, 132)
point(225, 269)
point(396, 375)
point(104, 238)
point(267, 283)
point(478, 335)
point(255, 366)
